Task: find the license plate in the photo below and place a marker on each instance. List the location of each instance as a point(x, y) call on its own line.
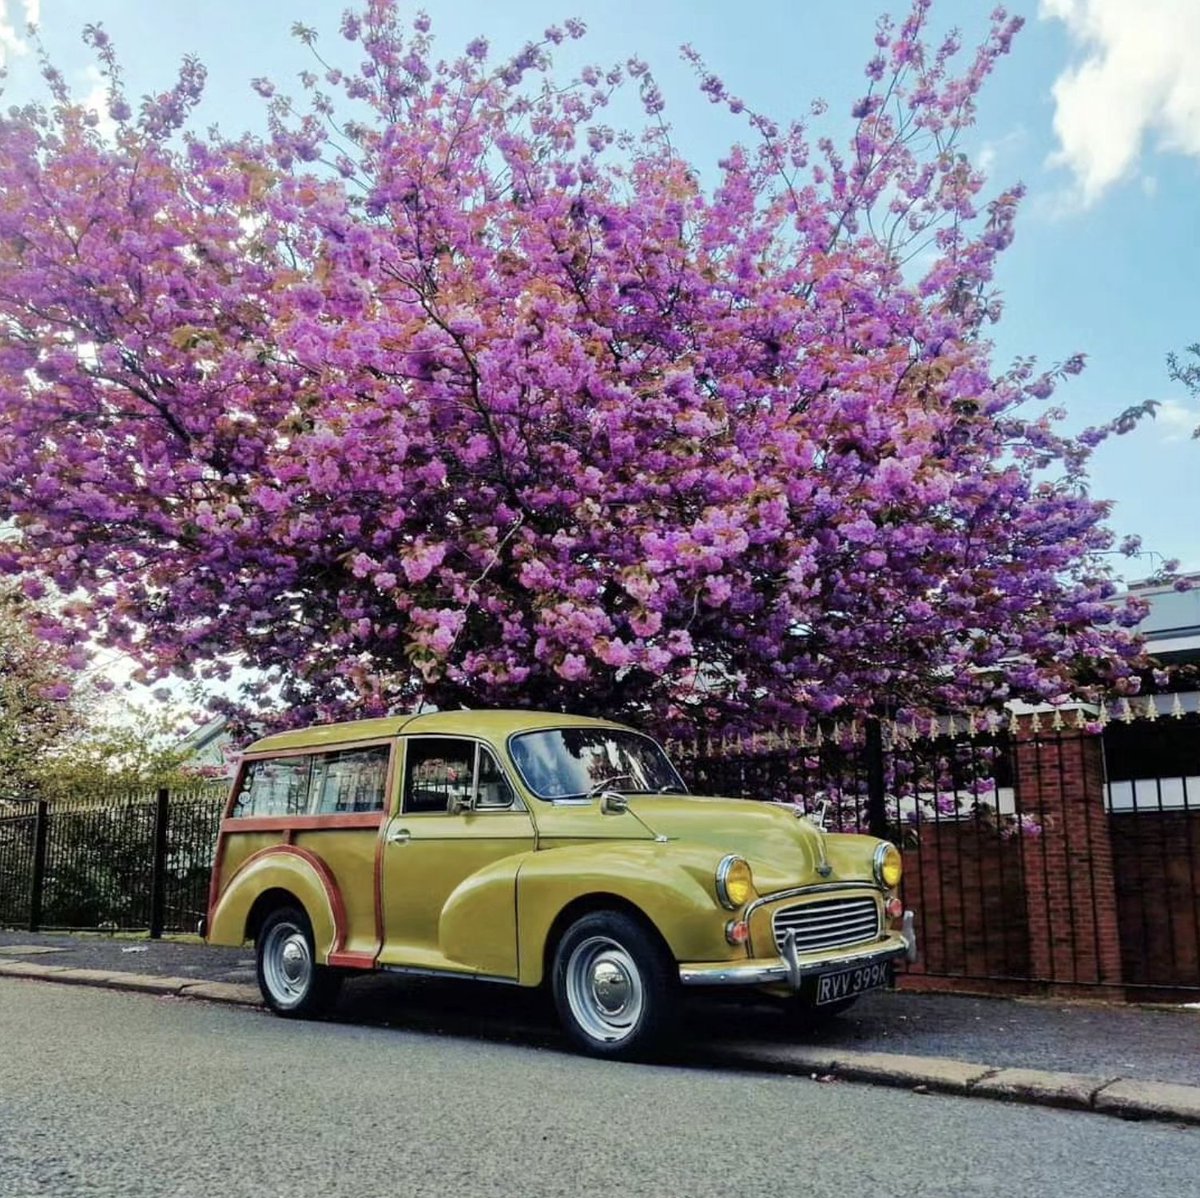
point(833, 987)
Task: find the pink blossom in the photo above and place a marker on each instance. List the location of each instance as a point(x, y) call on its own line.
point(573, 667)
point(567, 408)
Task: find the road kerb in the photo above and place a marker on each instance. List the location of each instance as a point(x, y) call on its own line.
point(1075, 1091)
point(150, 983)
point(895, 1069)
point(85, 977)
point(799, 1061)
point(1130, 1098)
point(1124, 1097)
point(230, 992)
point(26, 969)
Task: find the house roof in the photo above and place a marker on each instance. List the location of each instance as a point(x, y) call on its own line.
point(202, 737)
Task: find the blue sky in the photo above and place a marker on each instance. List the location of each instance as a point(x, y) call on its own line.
point(1097, 111)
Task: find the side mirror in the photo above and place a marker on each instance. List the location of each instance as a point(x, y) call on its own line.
point(612, 803)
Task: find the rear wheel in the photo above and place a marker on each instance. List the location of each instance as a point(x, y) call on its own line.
point(614, 986)
point(291, 981)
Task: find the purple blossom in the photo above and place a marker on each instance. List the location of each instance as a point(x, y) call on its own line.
point(543, 408)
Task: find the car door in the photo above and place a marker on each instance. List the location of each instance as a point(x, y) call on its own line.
point(458, 814)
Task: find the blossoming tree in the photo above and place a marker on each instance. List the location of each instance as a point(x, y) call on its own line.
point(441, 388)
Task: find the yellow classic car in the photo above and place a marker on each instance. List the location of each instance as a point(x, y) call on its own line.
point(539, 849)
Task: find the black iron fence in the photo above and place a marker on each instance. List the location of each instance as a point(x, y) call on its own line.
point(127, 862)
point(1043, 851)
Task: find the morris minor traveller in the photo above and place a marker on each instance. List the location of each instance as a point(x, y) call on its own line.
point(540, 850)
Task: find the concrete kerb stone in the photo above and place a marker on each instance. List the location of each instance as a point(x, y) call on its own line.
point(26, 969)
point(149, 983)
point(227, 992)
point(894, 1069)
point(883, 1068)
point(1124, 1097)
point(84, 977)
point(230, 992)
point(1132, 1099)
point(1075, 1091)
point(805, 1062)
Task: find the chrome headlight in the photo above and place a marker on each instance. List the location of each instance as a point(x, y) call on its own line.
point(734, 882)
point(888, 866)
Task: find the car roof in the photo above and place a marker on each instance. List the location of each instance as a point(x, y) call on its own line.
point(493, 725)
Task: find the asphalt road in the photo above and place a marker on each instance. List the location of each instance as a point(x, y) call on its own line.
point(1101, 1040)
point(119, 1094)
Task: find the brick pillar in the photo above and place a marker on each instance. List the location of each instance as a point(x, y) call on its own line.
point(1070, 892)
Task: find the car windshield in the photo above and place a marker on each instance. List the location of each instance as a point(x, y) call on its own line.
point(570, 763)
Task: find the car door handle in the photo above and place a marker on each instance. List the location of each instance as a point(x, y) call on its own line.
point(399, 836)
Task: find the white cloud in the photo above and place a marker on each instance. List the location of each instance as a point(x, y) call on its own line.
point(1177, 420)
point(1135, 79)
point(97, 101)
point(997, 150)
point(12, 39)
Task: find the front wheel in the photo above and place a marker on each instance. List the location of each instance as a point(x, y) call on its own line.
point(291, 981)
point(614, 986)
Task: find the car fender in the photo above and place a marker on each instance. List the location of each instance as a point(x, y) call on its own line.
point(478, 923)
point(666, 882)
point(282, 867)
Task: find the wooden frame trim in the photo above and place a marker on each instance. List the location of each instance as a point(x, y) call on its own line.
point(304, 823)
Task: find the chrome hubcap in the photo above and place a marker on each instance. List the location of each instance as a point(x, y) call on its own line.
point(604, 989)
point(287, 964)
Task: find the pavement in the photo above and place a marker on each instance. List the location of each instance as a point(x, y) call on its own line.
point(1124, 1060)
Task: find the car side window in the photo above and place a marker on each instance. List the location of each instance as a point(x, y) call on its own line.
point(274, 786)
point(350, 780)
point(437, 769)
point(493, 789)
point(440, 769)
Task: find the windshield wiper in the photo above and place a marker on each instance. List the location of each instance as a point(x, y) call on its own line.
point(672, 788)
point(605, 783)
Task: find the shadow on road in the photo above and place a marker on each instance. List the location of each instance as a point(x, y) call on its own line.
point(508, 1014)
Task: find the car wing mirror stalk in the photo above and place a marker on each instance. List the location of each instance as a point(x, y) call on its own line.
point(613, 803)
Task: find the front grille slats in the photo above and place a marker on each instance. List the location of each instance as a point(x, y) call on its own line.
point(834, 921)
point(821, 911)
point(812, 946)
point(830, 924)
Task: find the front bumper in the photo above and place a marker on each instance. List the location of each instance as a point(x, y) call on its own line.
point(790, 969)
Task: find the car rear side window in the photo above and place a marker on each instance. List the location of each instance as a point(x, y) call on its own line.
point(333, 783)
point(352, 780)
point(274, 786)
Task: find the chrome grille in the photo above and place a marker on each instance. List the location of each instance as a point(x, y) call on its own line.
point(831, 923)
